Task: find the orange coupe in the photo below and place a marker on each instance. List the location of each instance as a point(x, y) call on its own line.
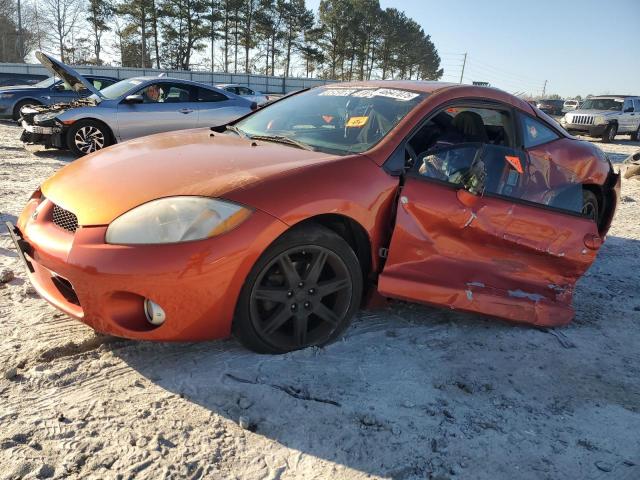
point(279, 226)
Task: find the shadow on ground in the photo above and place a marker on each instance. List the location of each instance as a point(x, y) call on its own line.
point(413, 390)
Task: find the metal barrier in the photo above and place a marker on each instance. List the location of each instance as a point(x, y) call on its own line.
point(262, 83)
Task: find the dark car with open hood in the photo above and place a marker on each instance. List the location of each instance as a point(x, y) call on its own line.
point(50, 91)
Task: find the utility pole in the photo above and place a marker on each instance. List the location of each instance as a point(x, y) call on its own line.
point(464, 62)
point(20, 41)
point(544, 88)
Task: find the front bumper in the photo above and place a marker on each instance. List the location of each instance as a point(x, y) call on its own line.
point(47, 136)
point(590, 130)
point(196, 283)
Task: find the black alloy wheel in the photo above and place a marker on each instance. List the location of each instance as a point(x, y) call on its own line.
point(302, 292)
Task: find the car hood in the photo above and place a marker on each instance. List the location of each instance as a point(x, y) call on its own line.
point(102, 186)
point(76, 81)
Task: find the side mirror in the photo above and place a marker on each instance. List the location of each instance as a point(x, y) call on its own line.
point(133, 99)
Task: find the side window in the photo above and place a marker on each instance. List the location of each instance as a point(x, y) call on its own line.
point(62, 87)
point(206, 95)
point(636, 104)
point(479, 168)
point(459, 124)
point(244, 91)
point(97, 84)
point(166, 93)
point(536, 133)
point(472, 148)
point(232, 90)
point(104, 82)
point(628, 105)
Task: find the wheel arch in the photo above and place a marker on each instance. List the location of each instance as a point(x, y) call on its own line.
point(351, 232)
point(22, 100)
point(101, 122)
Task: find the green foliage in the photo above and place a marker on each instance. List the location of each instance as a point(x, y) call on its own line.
point(346, 40)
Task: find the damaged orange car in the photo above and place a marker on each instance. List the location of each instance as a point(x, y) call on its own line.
point(279, 226)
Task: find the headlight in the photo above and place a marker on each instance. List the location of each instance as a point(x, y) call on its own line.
point(176, 219)
point(599, 119)
point(6, 95)
point(43, 117)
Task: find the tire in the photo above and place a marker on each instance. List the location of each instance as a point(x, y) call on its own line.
point(636, 135)
point(19, 105)
point(88, 136)
point(590, 206)
point(286, 304)
point(610, 133)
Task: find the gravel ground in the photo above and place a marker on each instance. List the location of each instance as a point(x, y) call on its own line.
point(410, 392)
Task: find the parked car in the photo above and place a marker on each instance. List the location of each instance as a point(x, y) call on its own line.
point(12, 79)
point(128, 109)
point(51, 91)
point(605, 117)
point(254, 96)
point(277, 226)
point(570, 105)
point(552, 107)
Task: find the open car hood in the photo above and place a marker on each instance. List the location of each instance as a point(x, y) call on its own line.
point(76, 81)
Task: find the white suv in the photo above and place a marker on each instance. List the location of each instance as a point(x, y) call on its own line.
point(606, 116)
point(571, 105)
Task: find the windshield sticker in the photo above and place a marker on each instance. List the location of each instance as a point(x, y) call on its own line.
point(515, 163)
point(397, 94)
point(401, 95)
point(337, 92)
point(357, 122)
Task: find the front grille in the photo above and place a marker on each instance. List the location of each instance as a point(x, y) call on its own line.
point(64, 219)
point(582, 120)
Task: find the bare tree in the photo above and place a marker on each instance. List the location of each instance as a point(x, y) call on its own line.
point(63, 16)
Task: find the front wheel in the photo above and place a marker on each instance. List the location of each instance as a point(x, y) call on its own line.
point(302, 292)
point(636, 135)
point(87, 136)
point(610, 133)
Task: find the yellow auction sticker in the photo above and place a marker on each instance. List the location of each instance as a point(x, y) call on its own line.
point(357, 121)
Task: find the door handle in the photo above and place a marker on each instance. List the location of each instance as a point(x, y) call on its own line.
point(185, 110)
point(46, 97)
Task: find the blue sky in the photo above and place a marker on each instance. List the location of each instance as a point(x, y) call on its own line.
point(579, 47)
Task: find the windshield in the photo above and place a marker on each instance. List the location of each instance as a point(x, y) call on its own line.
point(46, 83)
point(602, 104)
point(338, 120)
point(118, 89)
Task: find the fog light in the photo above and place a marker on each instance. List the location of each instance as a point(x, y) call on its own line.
point(154, 312)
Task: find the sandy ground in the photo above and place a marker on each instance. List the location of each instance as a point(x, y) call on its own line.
point(410, 392)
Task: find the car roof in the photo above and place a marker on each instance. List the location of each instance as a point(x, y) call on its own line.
point(612, 96)
point(433, 87)
point(172, 79)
